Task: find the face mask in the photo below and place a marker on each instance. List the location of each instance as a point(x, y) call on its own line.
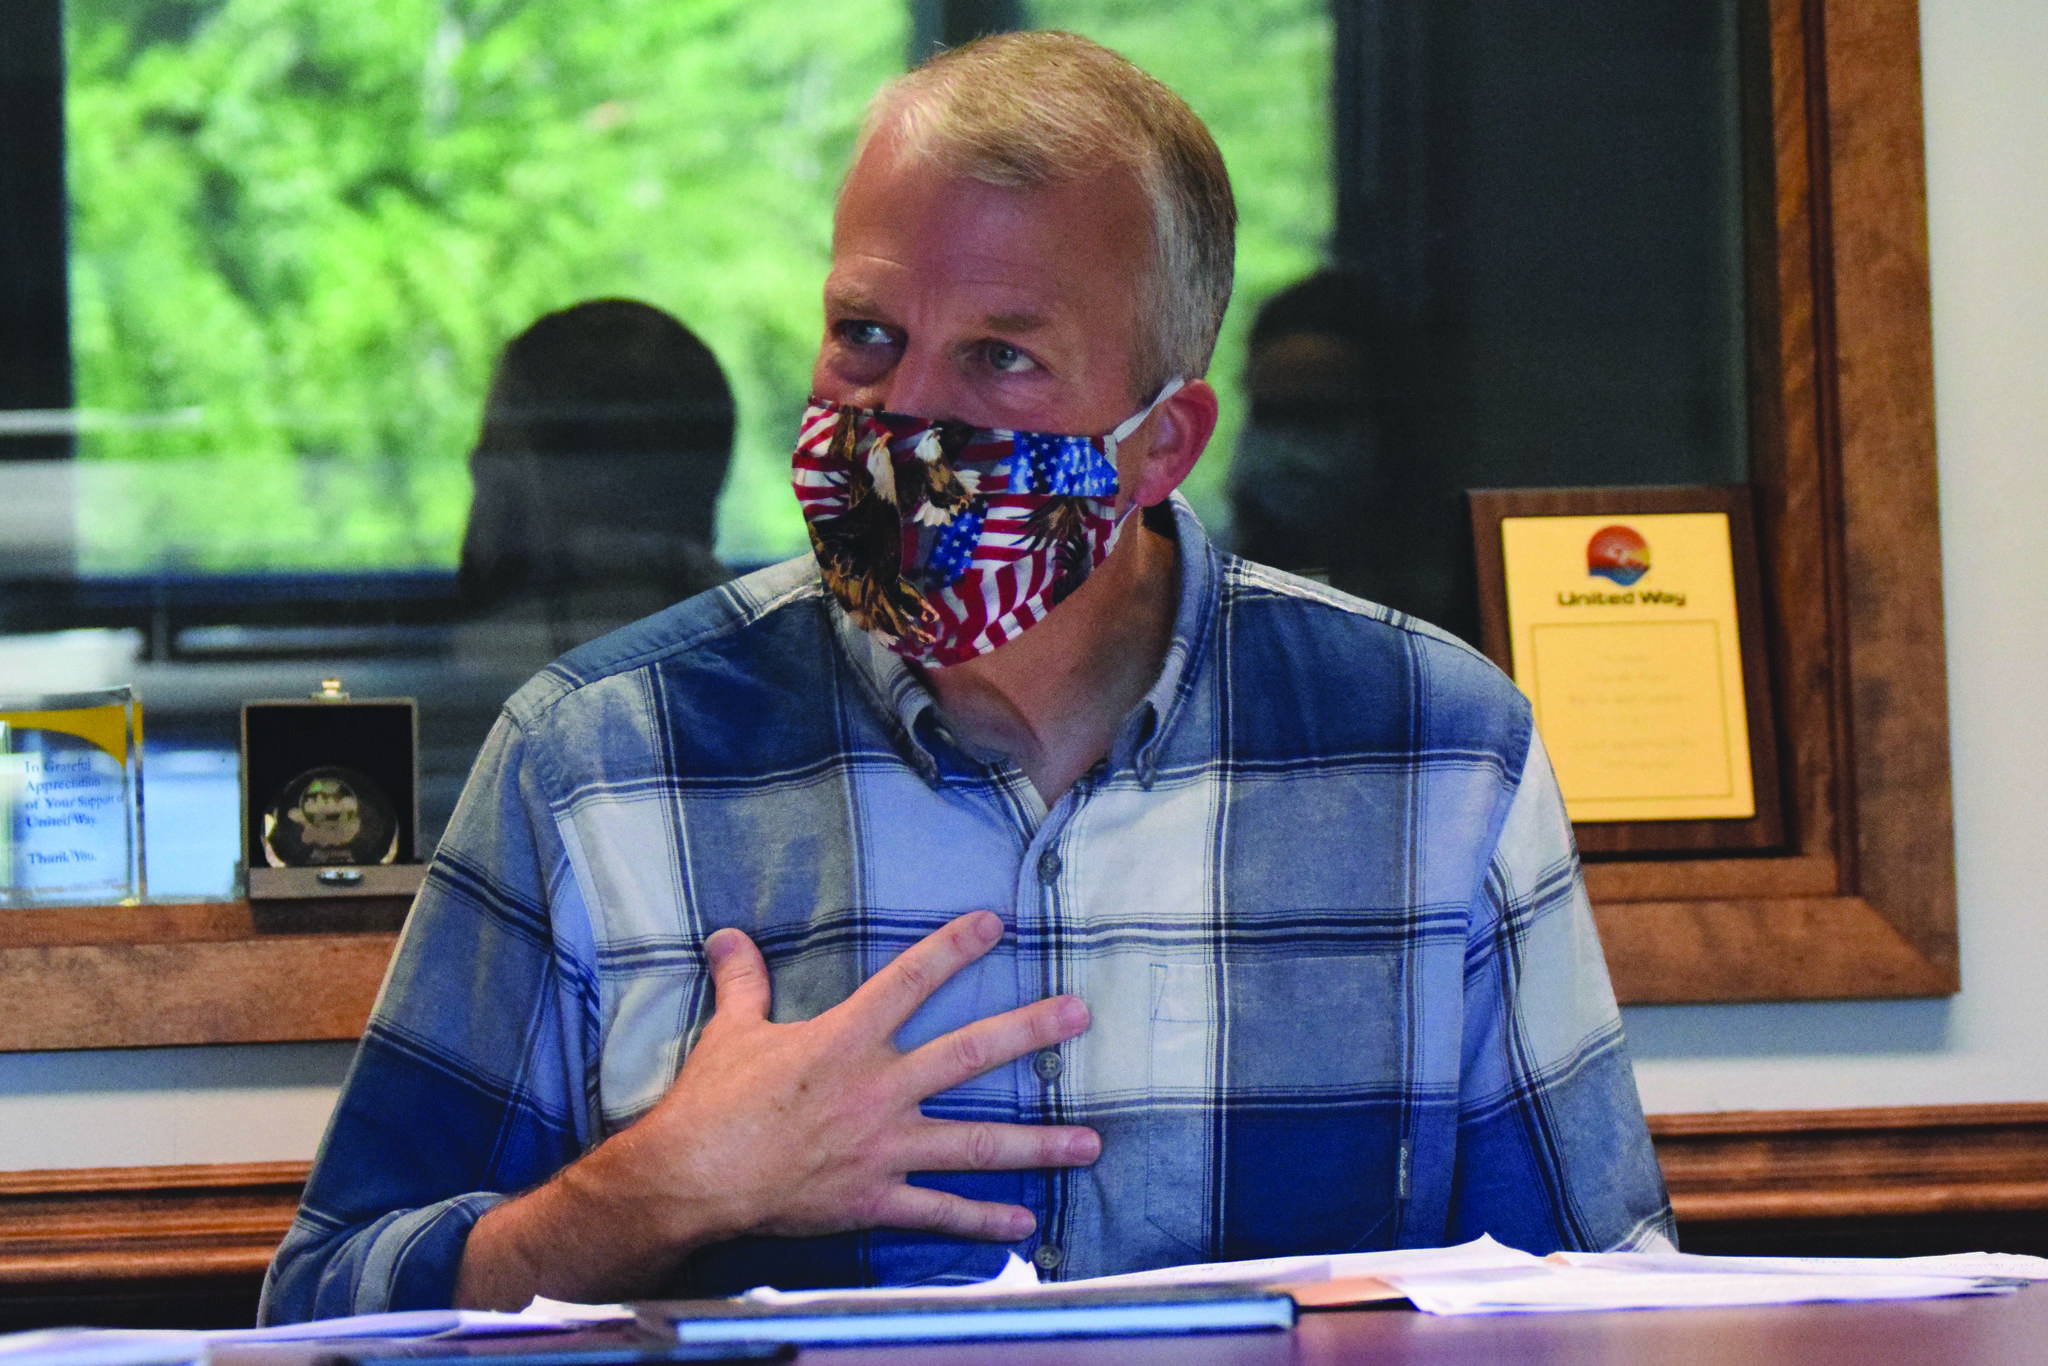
point(945, 540)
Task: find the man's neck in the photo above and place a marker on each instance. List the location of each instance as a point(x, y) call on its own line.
point(1053, 699)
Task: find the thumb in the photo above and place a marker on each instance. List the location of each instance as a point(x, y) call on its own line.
point(739, 976)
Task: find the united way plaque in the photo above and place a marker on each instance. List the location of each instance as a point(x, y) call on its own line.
point(1629, 619)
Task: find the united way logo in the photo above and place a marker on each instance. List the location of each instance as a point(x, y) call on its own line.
point(1618, 553)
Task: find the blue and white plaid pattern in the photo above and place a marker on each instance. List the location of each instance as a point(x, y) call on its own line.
point(1321, 898)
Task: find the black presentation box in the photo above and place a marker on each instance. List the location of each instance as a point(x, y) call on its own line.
point(354, 765)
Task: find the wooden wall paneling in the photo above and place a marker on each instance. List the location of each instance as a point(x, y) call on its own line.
point(1874, 1182)
point(163, 1245)
point(143, 1247)
point(126, 1223)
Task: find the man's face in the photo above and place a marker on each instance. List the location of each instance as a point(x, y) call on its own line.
point(952, 299)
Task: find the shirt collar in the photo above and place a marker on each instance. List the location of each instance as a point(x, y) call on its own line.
point(903, 696)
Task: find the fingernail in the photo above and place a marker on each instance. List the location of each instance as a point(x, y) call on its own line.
point(1086, 1147)
point(1072, 1013)
point(1022, 1221)
point(720, 945)
point(989, 926)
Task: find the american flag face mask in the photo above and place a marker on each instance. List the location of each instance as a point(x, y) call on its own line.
point(946, 540)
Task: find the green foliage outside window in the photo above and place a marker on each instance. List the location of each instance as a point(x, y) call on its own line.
point(301, 231)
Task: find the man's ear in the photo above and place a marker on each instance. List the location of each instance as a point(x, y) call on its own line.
point(1177, 433)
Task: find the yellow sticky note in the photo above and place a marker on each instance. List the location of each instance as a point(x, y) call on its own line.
point(1623, 635)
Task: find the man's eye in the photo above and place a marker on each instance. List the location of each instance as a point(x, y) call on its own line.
point(1007, 358)
point(857, 333)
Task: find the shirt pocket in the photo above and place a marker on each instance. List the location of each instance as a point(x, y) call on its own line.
point(1307, 1156)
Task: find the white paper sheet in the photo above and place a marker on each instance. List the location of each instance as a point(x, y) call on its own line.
point(1965, 1265)
point(1016, 1277)
point(1481, 1254)
point(1554, 1288)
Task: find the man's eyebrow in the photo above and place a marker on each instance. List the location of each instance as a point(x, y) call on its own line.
point(1014, 322)
point(848, 299)
point(853, 301)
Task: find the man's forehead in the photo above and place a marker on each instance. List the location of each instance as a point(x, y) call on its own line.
point(1110, 193)
point(1023, 241)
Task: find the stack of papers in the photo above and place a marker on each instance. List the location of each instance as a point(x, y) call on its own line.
point(1484, 1277)
point(1670, 1280)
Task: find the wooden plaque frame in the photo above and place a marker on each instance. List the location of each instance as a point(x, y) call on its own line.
point(1861, 902)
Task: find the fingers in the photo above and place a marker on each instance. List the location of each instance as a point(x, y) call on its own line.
point(973, 1049)
point(893, 994)
point(739, 977)
point(915, 1207)
point(944, 1145)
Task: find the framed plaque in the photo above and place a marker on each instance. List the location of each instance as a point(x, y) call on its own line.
point(1630, 618)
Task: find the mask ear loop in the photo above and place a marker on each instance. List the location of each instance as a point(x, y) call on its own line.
point(1136, 420)
point(1117, 438)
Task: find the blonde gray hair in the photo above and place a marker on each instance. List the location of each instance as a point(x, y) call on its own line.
point(1036, 109)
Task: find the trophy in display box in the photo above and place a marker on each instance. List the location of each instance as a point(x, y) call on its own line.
point(330, 797)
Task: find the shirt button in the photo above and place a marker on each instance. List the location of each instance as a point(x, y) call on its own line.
point(1048, 1257)
point(1048, 1064)
point(1049, 866)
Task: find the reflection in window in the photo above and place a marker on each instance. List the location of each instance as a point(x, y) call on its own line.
point(1544, 204)
point(301, 231)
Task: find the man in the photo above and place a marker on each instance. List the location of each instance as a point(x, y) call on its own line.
point(1031, 878)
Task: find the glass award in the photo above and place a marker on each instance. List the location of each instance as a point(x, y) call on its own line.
point(71, 798)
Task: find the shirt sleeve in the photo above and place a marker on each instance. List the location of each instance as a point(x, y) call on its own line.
point(1553, 1153)
point(471, 1081)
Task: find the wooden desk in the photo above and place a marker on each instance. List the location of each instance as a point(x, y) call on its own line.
point(1954, 1332)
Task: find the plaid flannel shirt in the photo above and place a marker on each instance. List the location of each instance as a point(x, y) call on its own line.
point(1321, 898)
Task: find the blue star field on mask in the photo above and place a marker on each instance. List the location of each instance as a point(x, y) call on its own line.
point(953, 547)
point(1060, 465)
